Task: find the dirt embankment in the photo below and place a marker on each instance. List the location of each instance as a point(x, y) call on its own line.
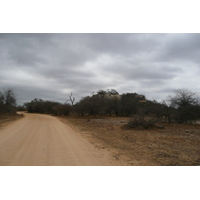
point(7, 119)
point(176, 144)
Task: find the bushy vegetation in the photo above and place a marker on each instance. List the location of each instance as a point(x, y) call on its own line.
point(48, 107)
point(140, 123)
point(110, 103)
point(181, 107)
point(186, 105)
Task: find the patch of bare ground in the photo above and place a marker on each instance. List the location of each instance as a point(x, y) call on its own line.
point(6, 119)
point(175, 145)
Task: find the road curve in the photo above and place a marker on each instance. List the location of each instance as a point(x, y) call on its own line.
point(43, 140)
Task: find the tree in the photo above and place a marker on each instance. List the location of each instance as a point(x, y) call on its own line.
point(7, 101)
point(71, 99)
point(101, 93)
point(185, 102)
point(2, 107)
point(48, 107)
point(167, 111)
point(112, 105)
point(129, 104)
point(61, 109)
point(93, 105)
point(96, 105)
point(112, 91)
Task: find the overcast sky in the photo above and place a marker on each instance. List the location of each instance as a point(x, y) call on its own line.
point(50, 66)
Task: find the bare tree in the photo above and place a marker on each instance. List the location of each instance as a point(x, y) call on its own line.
point(71, 99)
point(185, 102)
point(183, 97)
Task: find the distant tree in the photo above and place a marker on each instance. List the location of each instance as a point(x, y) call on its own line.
point(71, 99)
point(10, 98)
point(21, 108)
point(112, 105)
point(160, 110)
point(104, 102)
point(96, 105)
point(105, 93)
point(93, 105)
point(7, 101)
point(82, 107)
point(185, 102)
point(129, 104)
point(48, 107)
point(112, 91)
point(62, 109)
point(101, 93)
point(1, 102)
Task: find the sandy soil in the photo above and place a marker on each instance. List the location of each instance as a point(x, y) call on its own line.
point(43, 140)
point(175, 145)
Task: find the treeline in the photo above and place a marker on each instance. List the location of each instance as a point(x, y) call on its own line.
point(47, 107)
point(182, 106)
point(111, 103)
point(101, 103)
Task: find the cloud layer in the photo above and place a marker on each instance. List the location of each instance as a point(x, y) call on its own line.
point(50, 66)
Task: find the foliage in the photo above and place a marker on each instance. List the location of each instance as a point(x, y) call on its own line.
point(7, 101)
point(129, 104)
point(182, 107)
point(186, 104)
point(108, 103)
point(48, 107)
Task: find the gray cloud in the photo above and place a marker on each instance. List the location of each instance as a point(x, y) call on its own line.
point(50, 66)
point(181, 47)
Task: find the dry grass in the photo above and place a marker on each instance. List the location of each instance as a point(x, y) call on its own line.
point(6, 119)
point(176, 144)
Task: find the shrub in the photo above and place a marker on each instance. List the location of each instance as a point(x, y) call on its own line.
point(139, 122)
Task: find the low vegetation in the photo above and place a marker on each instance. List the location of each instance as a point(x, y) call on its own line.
point(138, 122)
point(182, 106)
point(174, 145)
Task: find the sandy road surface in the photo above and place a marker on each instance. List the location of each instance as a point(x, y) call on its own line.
point(42, 140)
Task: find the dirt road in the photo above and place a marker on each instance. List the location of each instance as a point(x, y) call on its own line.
point(42, 140)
